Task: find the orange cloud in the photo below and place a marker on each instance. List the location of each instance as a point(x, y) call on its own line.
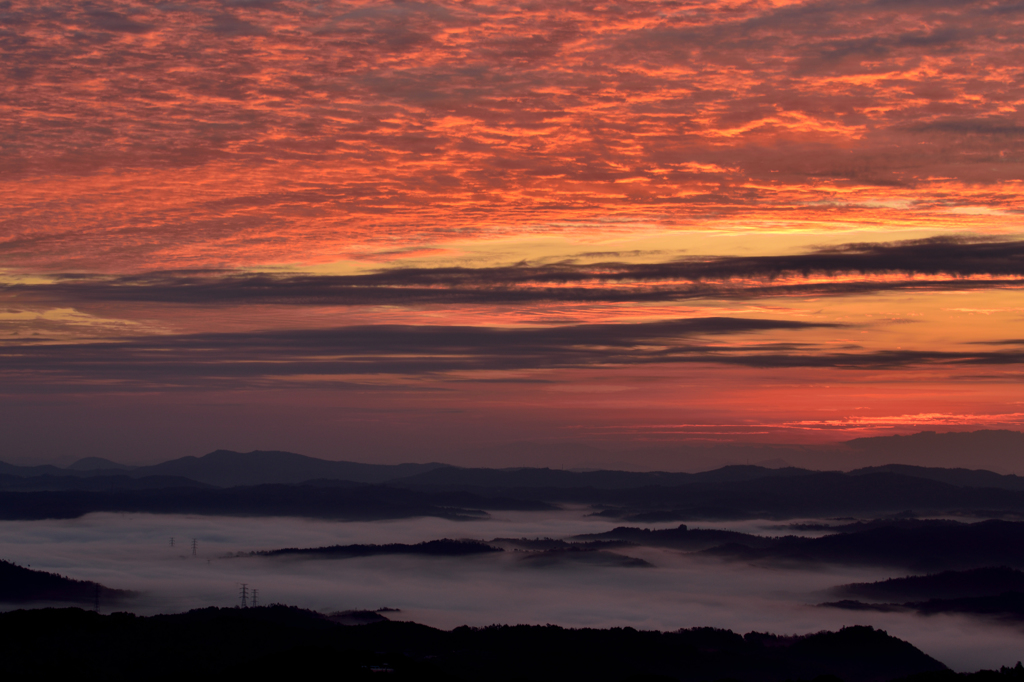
point(278, 133)
point(177, 174)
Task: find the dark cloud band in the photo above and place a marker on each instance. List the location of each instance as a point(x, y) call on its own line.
point(393, 349)
point(1001, 263)
point(241, 358)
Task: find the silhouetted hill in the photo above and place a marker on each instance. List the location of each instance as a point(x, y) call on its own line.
point(922, 455)
point(40, 470)
point(541, 478)
point(19, 585)
point(807, 494)
point(537, 553)
point(680, 537)
point(357, 617)
point(577, 554)
point(728, 493)
point(1004, 674)
point(905, 520)
point(542, 544)
point(933, 546)
point(967, 478)
point(445, 547)
point(98, 483)
point(339, 500)
point(916, 545)
point(1008, 606)
point(732, 492)
point(225, 468)
point(978, 582)
point(791, 494)
point(541, 553)
point(279, 642)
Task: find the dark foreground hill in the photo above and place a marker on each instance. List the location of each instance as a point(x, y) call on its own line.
point(281, 642)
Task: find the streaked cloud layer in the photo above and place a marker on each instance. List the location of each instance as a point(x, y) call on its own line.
point(244, 133)
point(215, 195)
point(933, 264)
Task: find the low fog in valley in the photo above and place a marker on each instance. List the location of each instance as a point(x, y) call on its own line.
point(134, 551)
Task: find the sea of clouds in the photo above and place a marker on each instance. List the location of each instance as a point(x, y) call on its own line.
point(134, 551)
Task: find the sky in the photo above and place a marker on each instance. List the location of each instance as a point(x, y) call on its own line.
point(405, 231)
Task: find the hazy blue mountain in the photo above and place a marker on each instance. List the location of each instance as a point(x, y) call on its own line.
point(228, 468)
point(40, 470)
point(867, 456)
point(730, 492)
point(967, 478)
point(102, 483)
point(98, 463)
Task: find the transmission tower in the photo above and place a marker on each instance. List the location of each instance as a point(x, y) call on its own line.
point(243, 592)
point(255, 597)
point(193, 546)
point(172, 542)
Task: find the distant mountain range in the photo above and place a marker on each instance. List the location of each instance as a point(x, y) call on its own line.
point(265, 482)
point(226, 468)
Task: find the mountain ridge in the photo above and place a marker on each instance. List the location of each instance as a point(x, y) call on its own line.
point(227, 468)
